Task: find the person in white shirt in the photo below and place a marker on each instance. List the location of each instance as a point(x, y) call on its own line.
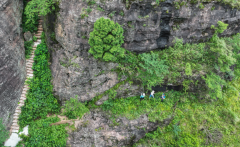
point(152, 94)
point(142, 96)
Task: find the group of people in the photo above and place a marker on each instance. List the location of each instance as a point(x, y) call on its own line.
point(152, 95)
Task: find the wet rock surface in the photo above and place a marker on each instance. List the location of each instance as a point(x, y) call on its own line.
point(97, 129)
point(12, 58)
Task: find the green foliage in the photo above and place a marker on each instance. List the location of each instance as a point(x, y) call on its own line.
point(152, 70)
point(34, 38)
point(40, 100)
point(188, 70)
point(99, 8)
point(31, 11)
point(144, 25)
point(106, 40)
point(201, 6)
point(28, 48)
point(214, 83)
point(29, 24)
point(197, 119)
point(121, 13)
point(3, 133)
point(74, 109)
point(112, 14)
point(41, 133)
point(223, 52)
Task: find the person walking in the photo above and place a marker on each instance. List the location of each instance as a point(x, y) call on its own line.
point(142, 96)
point(152, 94)
point(163, 97)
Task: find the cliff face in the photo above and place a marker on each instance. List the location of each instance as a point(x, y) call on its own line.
point(97, 129)
point(12, 57)
point(147, 27)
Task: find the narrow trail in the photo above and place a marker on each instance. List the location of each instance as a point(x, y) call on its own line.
point(29, 64)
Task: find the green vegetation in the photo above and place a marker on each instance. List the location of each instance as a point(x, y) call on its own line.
point(99, 8)
point(74, 109)
point(28, 48)
point(34, 8)
point(106, 40)
point(121, 13)
point(41, 133)
point(112, 14)
point(3, 133)
point(199, 123)
point(40, 100)
point(201, 6)
point(212, 121)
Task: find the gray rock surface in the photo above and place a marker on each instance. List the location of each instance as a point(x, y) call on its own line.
point(96, 129)
point(28, 36)
point(12, 58)
point(147, 27)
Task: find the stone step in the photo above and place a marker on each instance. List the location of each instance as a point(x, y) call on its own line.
point(15, 121)
point(31, 72)
point(16, 114)
point(17, 111)
point(21, 101)
point(23, 98)
point(15, 128)
point(18, 107)
point(30, 75)
point(14, 131)
point(15, 117)
point(40, 29)
point(38, 37)
point(29, 64)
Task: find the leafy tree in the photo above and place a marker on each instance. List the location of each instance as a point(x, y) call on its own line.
point(106, 40)
point(152, 70)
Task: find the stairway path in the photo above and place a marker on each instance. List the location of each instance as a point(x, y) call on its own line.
point(29, 63)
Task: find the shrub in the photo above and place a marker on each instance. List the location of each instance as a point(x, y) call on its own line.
point(152, 70)
point(42, 134)
point(74, 109)
point(106, 40)
point(28, 48)
point(3, 133)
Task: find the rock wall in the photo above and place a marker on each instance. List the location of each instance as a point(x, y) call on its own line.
point(147, 27)
point(12, 57)
point(97, 129)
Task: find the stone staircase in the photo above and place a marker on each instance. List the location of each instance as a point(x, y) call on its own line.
point(29, 64)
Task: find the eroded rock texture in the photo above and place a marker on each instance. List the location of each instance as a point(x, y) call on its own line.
point(96, 129)
point(12, 57)
point(147, 27)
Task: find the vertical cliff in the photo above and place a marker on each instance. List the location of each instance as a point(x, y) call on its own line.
point(12, 58)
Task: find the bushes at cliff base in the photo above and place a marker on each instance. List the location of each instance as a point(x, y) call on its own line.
point(106, 40)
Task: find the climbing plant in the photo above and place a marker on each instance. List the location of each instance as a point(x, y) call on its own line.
point(106, 40)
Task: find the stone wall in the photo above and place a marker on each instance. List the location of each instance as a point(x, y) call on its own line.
point(12, 57)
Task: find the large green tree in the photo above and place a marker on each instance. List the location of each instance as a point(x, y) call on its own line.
point(106, 40)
